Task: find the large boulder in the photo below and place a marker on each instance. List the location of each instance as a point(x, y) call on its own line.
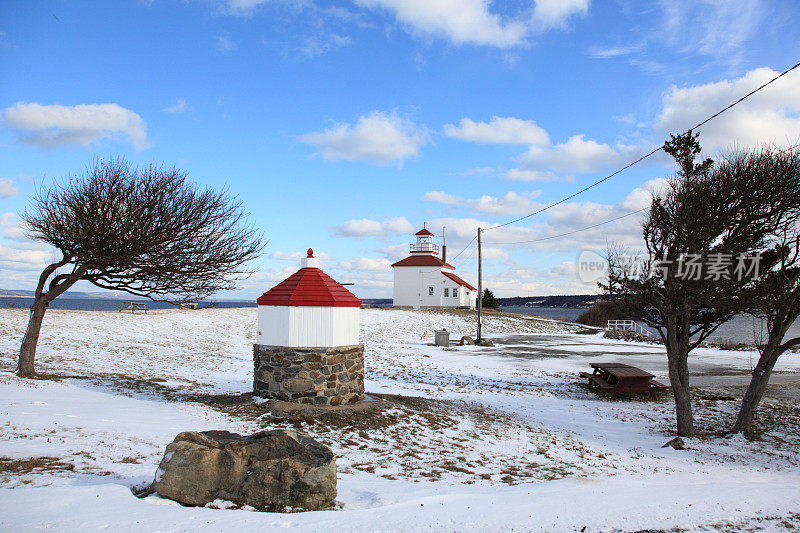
point(267, 470)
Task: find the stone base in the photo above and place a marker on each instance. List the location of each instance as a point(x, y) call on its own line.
point(318, 376)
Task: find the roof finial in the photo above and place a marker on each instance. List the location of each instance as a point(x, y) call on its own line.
point(310, 253)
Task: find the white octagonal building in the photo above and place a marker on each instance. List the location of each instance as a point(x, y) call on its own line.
point(308, 309)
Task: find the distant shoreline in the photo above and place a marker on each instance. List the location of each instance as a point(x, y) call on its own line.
point(113, 304)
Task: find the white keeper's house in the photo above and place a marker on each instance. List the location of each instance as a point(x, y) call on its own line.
point(423, 279)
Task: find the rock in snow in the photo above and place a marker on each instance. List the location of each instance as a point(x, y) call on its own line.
point(266, 470)
point(676, 443)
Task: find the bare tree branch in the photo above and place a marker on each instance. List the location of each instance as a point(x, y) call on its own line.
point(146, 231)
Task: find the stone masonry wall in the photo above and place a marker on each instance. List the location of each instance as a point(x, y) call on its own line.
point(321, 376)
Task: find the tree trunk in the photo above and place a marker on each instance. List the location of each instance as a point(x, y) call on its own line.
point(59, 284)
point(755, 392)
point(677, 357)
point(27, 351)
point(679, 379)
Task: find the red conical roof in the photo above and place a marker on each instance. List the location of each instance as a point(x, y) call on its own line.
point(424, 231)
point(309, 287)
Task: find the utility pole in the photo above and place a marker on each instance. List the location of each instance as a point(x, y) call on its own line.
point(480, 286)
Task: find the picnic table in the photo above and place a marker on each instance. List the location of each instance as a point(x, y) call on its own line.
point(133, 307)
point(618, 377)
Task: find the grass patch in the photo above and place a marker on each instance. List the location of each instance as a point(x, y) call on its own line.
point(34, 465)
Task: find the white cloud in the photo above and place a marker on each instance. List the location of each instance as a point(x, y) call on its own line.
point(15, 258)
point(364, 264)
point(518, 174)
point(395, 252)
point(577, 155)
point(546, 232)
point(609, 52)
point(7, 188)
point(57, 125)
point(372, 228)
point(398, 225)
point(473, 22)
point(180, 106)
point(549, 14)
point(461, 21)
point(488, 253)
point(441, 198)
point(510, 204)
point(769, 116)
point(12, 229)
point(379, 137)
point(720, 29)
point(500, 130)
point(543, 161)
point(642, 196)
point(536, 283)
point(717, 28)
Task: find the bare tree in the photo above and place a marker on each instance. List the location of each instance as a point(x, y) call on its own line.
point(728, 210)
point(149, 232)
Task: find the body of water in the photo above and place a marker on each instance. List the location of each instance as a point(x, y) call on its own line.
point(569, 313)
point(105, 304)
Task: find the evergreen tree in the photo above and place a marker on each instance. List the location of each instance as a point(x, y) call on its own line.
point(489, 301)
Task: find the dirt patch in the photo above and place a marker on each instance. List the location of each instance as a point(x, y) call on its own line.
point(33, 465)
point(397, 436)
point(424, 439)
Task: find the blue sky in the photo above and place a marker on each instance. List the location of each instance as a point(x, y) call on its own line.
point(345, 125)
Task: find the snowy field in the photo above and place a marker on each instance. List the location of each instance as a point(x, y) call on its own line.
point(470, 439)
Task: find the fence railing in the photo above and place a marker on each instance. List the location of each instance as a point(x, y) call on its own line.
point(627, 325)
point(425, 247)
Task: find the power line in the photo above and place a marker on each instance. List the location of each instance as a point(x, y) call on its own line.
point(604, 222)
point(574, 231)
point(463, 249)
point(629, 165)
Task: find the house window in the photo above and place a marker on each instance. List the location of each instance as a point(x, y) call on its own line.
point(455, 292)
point(430, 291)
point(446, 292)
point(466, 293)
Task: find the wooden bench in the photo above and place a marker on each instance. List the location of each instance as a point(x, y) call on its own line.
point(621, 378)
point(133, 307)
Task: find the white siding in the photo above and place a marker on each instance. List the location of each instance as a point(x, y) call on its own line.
point(309, 327)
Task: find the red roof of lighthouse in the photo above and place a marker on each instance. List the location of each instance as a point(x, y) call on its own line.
point(423, 261)
point(459, 280)
point(424, 231)
point(309, 287)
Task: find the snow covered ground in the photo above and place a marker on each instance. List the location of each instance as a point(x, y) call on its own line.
point(488, 439)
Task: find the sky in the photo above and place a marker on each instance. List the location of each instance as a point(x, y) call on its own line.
point(345, 126)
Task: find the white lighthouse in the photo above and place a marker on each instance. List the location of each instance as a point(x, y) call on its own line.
point(424, 279)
